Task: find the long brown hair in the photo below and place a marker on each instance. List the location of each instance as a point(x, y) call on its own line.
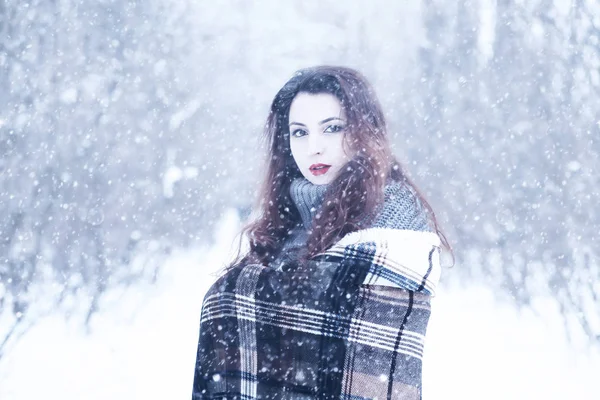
point(351, 199)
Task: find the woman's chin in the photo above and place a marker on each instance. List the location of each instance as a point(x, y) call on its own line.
point(319, 179)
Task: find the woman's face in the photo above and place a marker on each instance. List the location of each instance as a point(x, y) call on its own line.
point(317, 128)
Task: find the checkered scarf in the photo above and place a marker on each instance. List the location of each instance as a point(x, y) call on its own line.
point(349, 324)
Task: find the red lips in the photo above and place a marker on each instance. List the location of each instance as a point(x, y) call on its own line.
point(319, 169)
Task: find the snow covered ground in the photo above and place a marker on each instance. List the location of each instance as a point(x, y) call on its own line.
point(142, 345)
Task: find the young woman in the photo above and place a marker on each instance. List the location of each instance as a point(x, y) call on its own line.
point(332, 299)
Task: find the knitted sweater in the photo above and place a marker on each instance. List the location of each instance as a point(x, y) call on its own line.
point(401, 209)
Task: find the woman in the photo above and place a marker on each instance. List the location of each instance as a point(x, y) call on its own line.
point(332, 299)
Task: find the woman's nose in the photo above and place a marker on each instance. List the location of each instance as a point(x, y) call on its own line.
point(315, 144)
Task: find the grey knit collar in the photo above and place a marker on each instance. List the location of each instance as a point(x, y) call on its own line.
point(308, 198)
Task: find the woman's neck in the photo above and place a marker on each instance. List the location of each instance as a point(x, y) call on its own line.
point(308, 198)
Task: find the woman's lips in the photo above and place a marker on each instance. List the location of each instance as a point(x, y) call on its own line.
point(319, 169)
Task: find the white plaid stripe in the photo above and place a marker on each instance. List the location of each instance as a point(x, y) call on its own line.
point(246, 286)
point(310, 321)
point(397, 258)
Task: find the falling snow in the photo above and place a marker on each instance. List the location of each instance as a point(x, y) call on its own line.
point(129, 129)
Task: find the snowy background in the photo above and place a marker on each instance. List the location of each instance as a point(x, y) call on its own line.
point(130, 152)
point(142, 344)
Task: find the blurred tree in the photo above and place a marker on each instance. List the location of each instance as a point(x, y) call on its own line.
point(515, 138)
point(94, 102)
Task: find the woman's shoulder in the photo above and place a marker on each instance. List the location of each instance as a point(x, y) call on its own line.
point(394, 190)
point(402, 209)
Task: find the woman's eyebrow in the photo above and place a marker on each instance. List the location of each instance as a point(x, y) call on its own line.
point(320, 123)
point(330, 119)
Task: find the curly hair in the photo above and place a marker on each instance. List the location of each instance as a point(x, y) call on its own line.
point(353, 195)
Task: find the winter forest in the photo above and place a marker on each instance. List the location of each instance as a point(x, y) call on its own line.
point(130, 133)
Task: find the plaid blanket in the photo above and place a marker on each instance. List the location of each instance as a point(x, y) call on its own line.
point(350, 324)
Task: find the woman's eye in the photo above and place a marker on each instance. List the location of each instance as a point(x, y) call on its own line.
point(298, 132)
point(334, 128)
